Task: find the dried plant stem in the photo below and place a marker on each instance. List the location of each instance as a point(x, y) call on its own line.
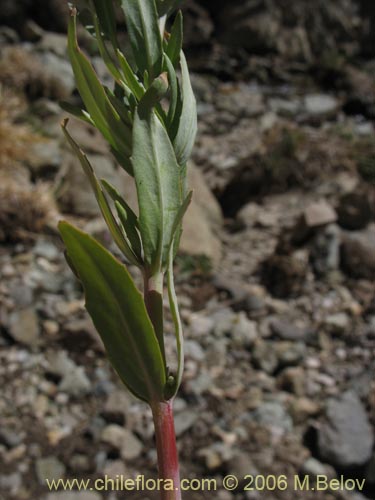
point(167, 450)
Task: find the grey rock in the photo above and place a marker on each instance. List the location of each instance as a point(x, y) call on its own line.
point(244, 332)
point(61, 70)
point(77, 198)
point(24, 326)
point(184, 421)
point(345, 438)
point(337, 323)
point(325, 250)
point(193, 350)
point(47, 250)
point(76, 383)
point(122, 439)
point(74, 380)
point(358, 253)
point(264, 357)
point(21, 294)
point(11, 483)
point(272, 414)
point(53, 42)
point(321, 105)
point(286, 330)
point(49, 468)
point(10, 438)
point(45, 158)
point(313, 467)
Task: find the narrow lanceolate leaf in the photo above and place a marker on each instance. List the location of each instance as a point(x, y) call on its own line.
point(119, 315)
point(115, 230)
point(79, 113)
point(106, 13)
point(158, 180)
point(145, 38)
point(127, 217)
point(97, 104)
point(174, 46)
point(186, 127)
point(131, 80)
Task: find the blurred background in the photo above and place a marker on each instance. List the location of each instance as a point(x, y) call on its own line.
point(275, 275)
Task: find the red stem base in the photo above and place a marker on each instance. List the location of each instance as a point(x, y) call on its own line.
point(167, 450)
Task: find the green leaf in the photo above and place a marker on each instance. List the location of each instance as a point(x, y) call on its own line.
point(131, 80)
point(127, 217)
point(174, 46)
point(142, 22)
point(119, 315)
point(159, 182)
point(99, 107)
point(174, 92)
point(106, 14)
point(79, 113)
point(115, 230)
point(187, 124)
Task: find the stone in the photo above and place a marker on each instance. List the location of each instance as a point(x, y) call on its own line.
point(184, 421)
point(272, 414)
point(49, 468)
point(292, 379)
point(345, 437)
point(244, 331)
point(303, 408)
point(193, 350)
point(74, 380)
point(77, 197)
point(24, 326)
point(264, 356)
point(53, 42)
point(59, 70)
point(123, 440)
point(202, 220)
point(45, 158)
point(47, 250)
point(321, 105)
point(285, 330)
point(337, 323)
point(313, 467)
point(315, 215)
point(358, 254)
point(325, 250)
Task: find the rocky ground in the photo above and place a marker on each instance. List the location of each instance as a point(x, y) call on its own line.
point(275, 278)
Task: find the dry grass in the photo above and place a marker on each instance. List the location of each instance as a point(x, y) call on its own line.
point(24, 210)
point(20, 70)
point(15, 139)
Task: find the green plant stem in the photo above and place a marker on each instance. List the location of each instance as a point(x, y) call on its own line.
point(168, 465)
point(153, 295)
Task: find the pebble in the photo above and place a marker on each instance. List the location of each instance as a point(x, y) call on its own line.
point(345, 438)
point(24, 326)
point(337, 323)
point(49, 468)
point(272, 414)
point(124, 440)
point(184, 421)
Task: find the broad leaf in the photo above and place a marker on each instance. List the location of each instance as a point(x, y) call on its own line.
point(145, 38)
point(186, 128)
point(159, 184)
point(117, 235)
point(119, 315)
